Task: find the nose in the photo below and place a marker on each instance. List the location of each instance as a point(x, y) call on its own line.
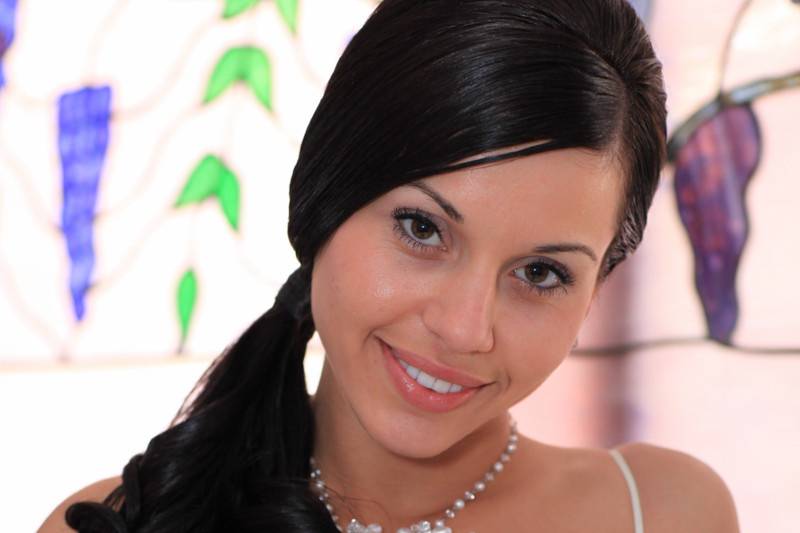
point(460, 311)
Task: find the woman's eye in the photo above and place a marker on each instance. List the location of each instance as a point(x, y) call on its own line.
point(418, 230)
point(421, 231)
point(543, 277)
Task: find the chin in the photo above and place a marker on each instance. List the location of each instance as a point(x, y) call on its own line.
point(410, 436)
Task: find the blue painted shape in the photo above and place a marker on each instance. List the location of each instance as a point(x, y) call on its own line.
point(83, 128)
point(8, 11)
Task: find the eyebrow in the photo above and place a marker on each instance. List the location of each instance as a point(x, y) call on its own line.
point(448, 208)
point(563, 247)
point(452, 212)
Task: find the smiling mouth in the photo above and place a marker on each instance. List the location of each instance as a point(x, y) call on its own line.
point(429, 382)
point(426, 384)
point(431, 375)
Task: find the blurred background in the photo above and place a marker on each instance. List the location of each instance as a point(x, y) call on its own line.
point(145, 153)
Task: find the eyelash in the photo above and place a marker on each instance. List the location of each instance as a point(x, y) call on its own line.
point(564, 276)
point(407, 213)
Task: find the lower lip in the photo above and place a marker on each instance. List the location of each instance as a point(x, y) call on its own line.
point(420, 396)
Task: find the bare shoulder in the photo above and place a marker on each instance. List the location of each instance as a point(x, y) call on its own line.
point(679, 492)
point(564, 489)
point(96, 492)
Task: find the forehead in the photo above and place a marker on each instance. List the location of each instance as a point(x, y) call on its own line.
point(566, 193)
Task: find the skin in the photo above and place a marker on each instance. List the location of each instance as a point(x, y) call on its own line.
point(469, 303)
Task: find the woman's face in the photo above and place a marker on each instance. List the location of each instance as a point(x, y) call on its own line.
point(479, 279)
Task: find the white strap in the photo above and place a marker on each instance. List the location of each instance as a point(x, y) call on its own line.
point(626, 472)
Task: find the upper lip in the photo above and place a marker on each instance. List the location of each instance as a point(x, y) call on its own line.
point(436, 370)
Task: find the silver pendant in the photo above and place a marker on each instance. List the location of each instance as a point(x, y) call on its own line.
point(420, 527)
point(357, 527)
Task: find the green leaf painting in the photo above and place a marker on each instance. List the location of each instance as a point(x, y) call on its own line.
point(186, 298)
point(203, 181)
point(234, 7)
point(287, 9)
point(228, 194)
point(211, 178)
point(245, 64)
point(288, 12)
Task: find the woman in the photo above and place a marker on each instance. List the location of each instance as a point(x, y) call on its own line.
point(473, 173)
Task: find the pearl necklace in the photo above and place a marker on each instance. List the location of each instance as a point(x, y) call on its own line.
point(422, 526)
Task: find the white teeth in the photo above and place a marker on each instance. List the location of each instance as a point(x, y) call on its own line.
point(441, 386)
point(426, 380)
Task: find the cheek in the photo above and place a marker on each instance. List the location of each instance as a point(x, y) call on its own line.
point(548, 334)
point(353, 292)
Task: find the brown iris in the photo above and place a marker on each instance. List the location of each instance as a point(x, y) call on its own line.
point(536, 272)
point(422, 230)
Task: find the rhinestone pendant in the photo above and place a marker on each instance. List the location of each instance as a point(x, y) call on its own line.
point(357, 527)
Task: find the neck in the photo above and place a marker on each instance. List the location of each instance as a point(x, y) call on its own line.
point(365, 478)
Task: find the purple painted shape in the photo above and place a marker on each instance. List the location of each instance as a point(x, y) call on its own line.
point(712, 171)
point(83, 124)
point(8, 12)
